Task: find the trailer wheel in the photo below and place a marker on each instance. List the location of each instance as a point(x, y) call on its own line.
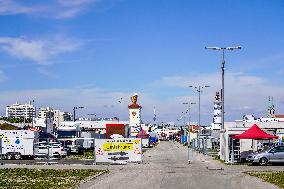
point(10, 156)
point(17, 156)
point(4, 156)
point(81, 151)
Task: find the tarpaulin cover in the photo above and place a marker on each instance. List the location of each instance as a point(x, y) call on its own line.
point(142, 134)
point(254, 133)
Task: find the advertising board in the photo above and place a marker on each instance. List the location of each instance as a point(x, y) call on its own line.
point(119, 150)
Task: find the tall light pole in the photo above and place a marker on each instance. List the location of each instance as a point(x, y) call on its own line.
point(188, 136)
point(223, 49)
point(188, 111)
point(74, 112)
point(199, 90)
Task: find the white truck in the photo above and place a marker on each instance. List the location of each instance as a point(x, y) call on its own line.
point(69, 136)
point(18, 144)
point(15, 144)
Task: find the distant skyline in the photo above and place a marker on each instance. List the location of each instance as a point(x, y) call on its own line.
point(92, 53)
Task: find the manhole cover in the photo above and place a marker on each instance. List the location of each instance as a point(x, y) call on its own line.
point(214, 168)
point(179, 167)
point(171, 172)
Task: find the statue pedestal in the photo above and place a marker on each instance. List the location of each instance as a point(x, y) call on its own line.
point(134, 115)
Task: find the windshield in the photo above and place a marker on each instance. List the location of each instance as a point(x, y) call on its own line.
point(66, 134)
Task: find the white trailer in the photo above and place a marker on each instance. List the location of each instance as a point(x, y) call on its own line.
point(14, 144)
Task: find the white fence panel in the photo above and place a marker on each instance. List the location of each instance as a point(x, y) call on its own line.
point(120, 150)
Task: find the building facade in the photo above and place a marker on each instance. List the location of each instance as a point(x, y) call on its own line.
point(61, 116)
point(56, 115)
point(45, 113)
point(21, 110)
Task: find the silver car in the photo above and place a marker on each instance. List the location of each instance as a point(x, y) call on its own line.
point(273, 155)
point(51, 149)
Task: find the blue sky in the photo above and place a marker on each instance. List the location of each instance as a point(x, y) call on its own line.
point(94, 52)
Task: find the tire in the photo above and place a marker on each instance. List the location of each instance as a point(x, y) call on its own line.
point(263, 161)
point(4, 156)
point(81, 151)
point(10, 156)
point(17, 156)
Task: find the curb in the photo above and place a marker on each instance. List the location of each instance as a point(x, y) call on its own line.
point(91, 178)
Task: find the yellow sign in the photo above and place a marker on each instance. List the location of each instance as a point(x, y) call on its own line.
point(117, 147)
point(136, 141)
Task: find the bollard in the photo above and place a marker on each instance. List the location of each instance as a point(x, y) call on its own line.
point(95, 161)
point(1, 151)
point(48, 151)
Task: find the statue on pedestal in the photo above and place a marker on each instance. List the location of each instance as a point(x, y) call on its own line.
point(134, 104)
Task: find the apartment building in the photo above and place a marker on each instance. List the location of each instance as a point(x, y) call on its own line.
point(21, 110)
point(61, 116)
point(45, 113)
point(56, 115)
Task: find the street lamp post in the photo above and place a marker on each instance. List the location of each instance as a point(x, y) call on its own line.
point(74, 112)
point(199, 90)
point(188, 110)
point(223, 76)
point(188, 138)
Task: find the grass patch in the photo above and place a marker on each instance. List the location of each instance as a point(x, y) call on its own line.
point(216, 157)
point(276, 178)
point(24, 178)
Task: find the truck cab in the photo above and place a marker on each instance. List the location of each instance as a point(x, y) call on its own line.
point(69, 136)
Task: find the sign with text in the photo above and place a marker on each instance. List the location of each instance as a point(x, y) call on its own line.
point(119, 150)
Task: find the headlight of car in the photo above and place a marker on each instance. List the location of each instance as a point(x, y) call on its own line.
point(256, 156)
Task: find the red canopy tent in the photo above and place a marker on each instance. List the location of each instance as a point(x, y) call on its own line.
point(254, 133)
point(142, 134)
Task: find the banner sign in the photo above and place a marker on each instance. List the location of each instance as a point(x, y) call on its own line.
point(119, 150)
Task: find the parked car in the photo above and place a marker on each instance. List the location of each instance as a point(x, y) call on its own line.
point(273, 155)
point(51, 150)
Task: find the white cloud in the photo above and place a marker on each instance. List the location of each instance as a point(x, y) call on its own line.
point(100, 101)
point(2, 76)
point(8, 7)
point(244, 94)
point(60, 9)
point(40, 51)
point(68, 3)
point(48, 73)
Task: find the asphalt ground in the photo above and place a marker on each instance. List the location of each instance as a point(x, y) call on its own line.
point(166, 166)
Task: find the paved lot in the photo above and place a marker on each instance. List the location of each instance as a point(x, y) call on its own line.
point(165, 166)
